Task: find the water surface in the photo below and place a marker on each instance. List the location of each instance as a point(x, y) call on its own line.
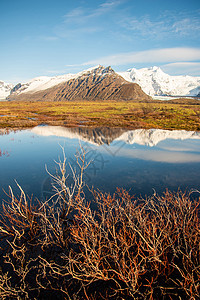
point(144, 161)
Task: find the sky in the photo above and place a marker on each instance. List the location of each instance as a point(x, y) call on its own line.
point(50, 38)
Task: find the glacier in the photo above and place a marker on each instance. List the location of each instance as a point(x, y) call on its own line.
point(155, 82)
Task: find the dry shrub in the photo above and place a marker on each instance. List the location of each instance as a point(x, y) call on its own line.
point(112, 247)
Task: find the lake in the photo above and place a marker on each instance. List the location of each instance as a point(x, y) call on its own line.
point(143, 161)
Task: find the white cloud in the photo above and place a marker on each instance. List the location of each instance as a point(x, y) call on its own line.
point(83, 15)
point(144, 27)
point(187, 26)
point(166, 55)
point(166, 25)
point(107, 7)
point(182, 68)
point(85, 20)
point(77, 12)
point(160, 155)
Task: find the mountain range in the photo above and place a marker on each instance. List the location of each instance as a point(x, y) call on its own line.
point(97, 83)
point(155, 82)
point(100, 83)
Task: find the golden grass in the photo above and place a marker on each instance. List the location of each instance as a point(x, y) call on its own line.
point(130, 115)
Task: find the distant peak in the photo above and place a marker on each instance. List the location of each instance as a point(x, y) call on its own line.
point(103, 69)
point(131, 69)
point(98, 70)
point(155, 68)
point(108, 70)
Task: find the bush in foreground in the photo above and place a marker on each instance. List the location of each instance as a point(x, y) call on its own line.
point(114, 247)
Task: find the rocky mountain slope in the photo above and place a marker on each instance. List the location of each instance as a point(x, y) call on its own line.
point(98, 83)
point(155, 82)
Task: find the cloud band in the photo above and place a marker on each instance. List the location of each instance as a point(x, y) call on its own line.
point(166, 55)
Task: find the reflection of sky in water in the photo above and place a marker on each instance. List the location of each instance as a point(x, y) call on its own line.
point(169, 164)
point(167, 151)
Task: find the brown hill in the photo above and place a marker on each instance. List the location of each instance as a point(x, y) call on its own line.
point(98, 84)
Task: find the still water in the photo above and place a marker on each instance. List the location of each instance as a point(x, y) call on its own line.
point(144, 161)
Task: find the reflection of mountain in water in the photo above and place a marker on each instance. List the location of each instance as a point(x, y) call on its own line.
point(4, 131)
point(152, 137)
point(100, 136)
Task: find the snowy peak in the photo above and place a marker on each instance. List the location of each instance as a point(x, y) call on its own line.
point(155, 82)
point(5, 89)
point(98, 71)
point(44, 82)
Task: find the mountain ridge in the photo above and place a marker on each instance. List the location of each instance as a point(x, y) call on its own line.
point(153, 81)
point(97, 83)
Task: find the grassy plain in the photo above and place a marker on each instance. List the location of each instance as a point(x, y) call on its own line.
point(165, 115)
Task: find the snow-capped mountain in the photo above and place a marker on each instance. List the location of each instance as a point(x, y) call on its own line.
point(155, 82)
point(98, 83)
point(45, 82)
point(5, 89)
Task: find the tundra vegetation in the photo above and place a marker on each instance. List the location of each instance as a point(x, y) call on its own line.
point(177, 114)
point(102, 247)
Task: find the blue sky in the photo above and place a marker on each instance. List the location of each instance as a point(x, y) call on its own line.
point(50, 38)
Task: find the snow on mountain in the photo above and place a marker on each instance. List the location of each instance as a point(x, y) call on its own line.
point(151, 137)
point(44, 82)
point(155, 82)
point(97, 70)
point(148, 137)
point(5, 89)
point(98, 83)
point(62, 132)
